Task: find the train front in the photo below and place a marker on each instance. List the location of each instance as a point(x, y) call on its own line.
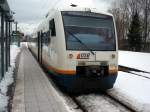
point(91, 46)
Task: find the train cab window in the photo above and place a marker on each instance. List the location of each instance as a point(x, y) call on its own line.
point(52, 27)
point(94, 30)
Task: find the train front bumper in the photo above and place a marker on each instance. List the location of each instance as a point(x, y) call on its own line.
point(76, 83)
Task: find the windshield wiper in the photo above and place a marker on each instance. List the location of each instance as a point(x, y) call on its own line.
point(81, 42)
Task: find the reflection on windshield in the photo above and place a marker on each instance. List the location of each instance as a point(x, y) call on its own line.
point(97, 39)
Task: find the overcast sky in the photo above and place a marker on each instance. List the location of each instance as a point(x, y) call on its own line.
point(30, 12)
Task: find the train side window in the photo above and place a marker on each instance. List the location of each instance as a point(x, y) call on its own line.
point(46, 38)
point(52, 27)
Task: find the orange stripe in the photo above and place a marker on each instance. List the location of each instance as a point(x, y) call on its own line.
point(72, 72)
point(67, 72)
point(113, 71)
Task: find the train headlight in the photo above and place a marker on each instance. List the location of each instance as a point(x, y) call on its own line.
point(113, 56)
point(70, 56)
point(113, 69)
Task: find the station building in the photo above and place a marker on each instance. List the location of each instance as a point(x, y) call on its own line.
point(5, 34)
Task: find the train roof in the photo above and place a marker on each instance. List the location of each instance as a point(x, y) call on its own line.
point(86, 9)
point(52, 11)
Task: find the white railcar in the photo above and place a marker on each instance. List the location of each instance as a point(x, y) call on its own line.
point(79, 47)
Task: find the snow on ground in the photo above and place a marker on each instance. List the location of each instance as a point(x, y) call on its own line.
point(136, 60)
point(133, 91)
point(130, 89)
point(100, 103)
point(8, 79)
point(24, 44)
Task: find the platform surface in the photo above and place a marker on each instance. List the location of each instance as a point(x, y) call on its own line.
point(34, 92)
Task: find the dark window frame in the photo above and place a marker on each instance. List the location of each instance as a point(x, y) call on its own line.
point(62, 14)
point(52, 27)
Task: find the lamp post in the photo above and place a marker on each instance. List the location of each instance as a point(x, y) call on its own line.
point(2, 44)
point(4, 37)
point(17, 33)
point(16, 23)
point(6, 43)
point(2, 11)
point(9, 35)
point(2, 1)
point(7, 39)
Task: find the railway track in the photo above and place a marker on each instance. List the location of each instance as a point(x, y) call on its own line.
point(139, 75)
point(121, 103)
point(134, 71)
point(107, 103)
point(79, 104)
point(124, 68)
point(100, 97)
point(82, 107)
point(124, 106)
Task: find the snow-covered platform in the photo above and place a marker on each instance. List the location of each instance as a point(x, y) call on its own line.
point(33, 92)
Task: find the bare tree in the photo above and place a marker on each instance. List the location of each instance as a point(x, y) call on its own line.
point(146, 20)
point(123, 14)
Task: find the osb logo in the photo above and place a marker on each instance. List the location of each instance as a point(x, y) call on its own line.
point(83, 56)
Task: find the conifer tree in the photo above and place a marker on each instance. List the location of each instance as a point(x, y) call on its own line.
point(134, 35)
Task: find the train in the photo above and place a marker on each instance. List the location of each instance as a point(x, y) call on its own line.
point(78, 47)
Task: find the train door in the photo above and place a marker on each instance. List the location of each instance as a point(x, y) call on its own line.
point(40, 47)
